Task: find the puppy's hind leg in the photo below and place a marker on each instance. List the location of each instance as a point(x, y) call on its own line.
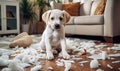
point(42, 43)
point(42, 46)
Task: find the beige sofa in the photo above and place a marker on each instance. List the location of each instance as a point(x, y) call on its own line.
point(107, 25)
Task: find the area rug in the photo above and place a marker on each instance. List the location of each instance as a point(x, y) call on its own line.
point(90, 55)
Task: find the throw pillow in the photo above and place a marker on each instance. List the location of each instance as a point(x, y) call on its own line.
point(76, 1)
point(55, 5)
point(94, 6)
point(85, 8)
point(25, 41)
point(100, 8)
point(72, 8)
point(21, 40)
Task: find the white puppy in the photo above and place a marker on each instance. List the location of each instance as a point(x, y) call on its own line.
point(54, 34)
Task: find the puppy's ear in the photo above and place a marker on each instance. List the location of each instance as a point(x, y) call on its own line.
point(67, 16)
point(46, 16)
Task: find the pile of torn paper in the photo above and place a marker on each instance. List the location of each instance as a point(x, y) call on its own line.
point(30, 56)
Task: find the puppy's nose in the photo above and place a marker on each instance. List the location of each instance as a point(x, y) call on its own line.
point(57, 26)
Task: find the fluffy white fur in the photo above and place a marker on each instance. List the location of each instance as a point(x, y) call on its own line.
point(104, 55)
point(109, 66)
point(14, 66)
point(50, 68)
point(6, 69)
point(36, 68)
point(54, 34)
point(99, 70)
point(67, 66)
point(66, 63)
point(94, 63)
point(4, 60)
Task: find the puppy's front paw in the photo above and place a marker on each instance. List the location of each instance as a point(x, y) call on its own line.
point(50, 56)
point(66, 55)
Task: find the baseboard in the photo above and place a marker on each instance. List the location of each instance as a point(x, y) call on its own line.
point(115, 39)
point(105, 39)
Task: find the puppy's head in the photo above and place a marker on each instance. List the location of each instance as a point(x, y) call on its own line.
point(55, 18)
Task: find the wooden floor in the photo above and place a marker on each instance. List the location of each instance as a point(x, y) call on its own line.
point(76, 66)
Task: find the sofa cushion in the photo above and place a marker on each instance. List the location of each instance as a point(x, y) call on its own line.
point(94, 30)
point(85, 8)
point(93, 20)
point(72, 8)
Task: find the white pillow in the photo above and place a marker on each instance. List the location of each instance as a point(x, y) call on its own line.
point(83, 1)
point(65, 1)
point(76, 1)
point(85, 8)
point(94, 6)
point(55, 5)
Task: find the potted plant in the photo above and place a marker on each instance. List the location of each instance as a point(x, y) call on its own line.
point(58, 1)
point(42, 4)
point(42, 7)
point(27, 13)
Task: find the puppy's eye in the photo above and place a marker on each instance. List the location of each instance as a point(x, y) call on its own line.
point(52, 18)
point(61, 18)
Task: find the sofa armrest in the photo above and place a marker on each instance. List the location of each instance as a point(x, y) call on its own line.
point(112, 18)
